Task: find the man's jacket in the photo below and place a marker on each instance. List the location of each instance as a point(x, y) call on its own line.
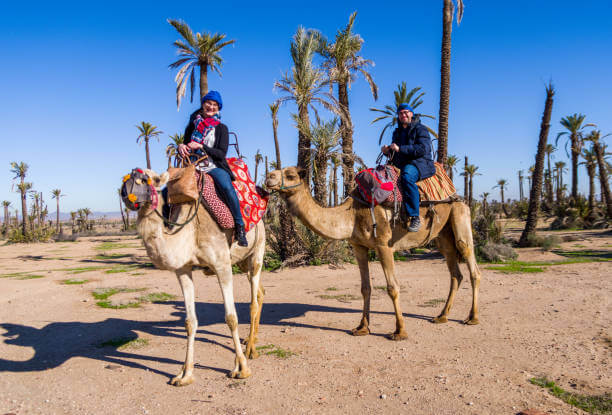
point(414, 148)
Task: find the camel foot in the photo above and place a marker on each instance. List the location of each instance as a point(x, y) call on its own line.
point(401, 335)
point(439, 320)
point(248, 339)
point(181, 380)
point(240, 374)
point(251, 352)
point(471, 321)
point(360, 331)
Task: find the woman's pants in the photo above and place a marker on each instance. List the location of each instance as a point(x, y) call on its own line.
point(223, 184)
point(410, 191)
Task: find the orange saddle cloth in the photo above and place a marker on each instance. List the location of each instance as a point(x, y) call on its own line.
point(437, 188)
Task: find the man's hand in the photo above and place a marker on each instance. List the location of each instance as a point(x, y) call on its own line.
point(385, 150)
point(394, 147)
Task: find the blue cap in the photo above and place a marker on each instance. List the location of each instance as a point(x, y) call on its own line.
point(404, 107)
point(213, 96)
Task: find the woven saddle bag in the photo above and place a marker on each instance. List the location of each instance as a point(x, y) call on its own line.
point(183, 183)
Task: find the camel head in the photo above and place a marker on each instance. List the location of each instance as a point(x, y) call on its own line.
point(287, 180)
point(141, 188)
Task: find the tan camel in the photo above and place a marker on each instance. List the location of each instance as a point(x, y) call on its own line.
point(352, 220)
point(202, 243)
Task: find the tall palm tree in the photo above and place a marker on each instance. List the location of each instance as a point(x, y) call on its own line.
point(599, 148)
point(560, 169)
point(448, 14)
point(304, 85)
point(402, 96)
point(574, 126)
point(590, 162)
point(172, 148)
point(274, 114)
point(258, 159)
point(342, 63)
point(5, 205)
point(451, 163)
point(549, 150)
point(466, 181)
point(20, 170)
point(536, 188)
point(56, 194)
point(147, 131)
point(335, 160)
point(502, 183)
point(86, 213)
point(485, 205)
point(471, 171)
point(199, 50)
point(520, 178)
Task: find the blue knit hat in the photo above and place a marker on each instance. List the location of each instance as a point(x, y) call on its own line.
point(213, 96)
point(404, 107)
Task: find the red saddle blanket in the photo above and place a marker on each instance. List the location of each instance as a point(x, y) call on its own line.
point(253, 201)
point(438, 187)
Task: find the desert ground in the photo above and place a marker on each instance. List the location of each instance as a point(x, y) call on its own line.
point(62, 353)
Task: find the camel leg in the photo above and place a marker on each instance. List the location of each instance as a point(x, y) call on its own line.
point(191, 325)
point(256, 305)
point(224, 274)
point(361, 253)
point(446, 245)
point(386, 259)
point(462, 228)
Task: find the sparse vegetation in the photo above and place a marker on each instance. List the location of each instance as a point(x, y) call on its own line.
point(433, 303)
point(599, 404)
point(126, 343)
point(272, 350)
point(343, 298)
point(74, 281)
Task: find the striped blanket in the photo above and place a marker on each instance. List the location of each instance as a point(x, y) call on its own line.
point(437, 188)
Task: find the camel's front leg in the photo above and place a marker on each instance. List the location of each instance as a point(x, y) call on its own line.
point(361, 253)
point(386, 259)
point(191, 325)
point(224, 274)
point(256, 305)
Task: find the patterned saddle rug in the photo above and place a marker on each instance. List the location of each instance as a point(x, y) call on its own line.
point(437, 188)
point(253, 200)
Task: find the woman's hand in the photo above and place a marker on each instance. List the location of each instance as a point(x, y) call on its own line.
point(183, 150)
point(194, 146)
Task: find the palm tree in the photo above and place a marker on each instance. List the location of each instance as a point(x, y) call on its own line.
point(342, 63)
point(520, 178)
point(172, 148)
point(448, 14)
point(73, 217)
point(86, 213)
point(56, 194)
point(451, 163)
point(147, 131)
point(5, 205)
point(402, 96)
point(484, 203)
point(502, 183)
point(590, 162)
point(466, 181)
point(574, 126)
point(196, 51)
point(258, 159)
point(335, 160)
point(121, 210)
point(536, 188)
point(20, 171)
point(560, 168)
point(470, 172)
point(274, 114)
point(600, 153)
point(304, 85)
point(549, 188)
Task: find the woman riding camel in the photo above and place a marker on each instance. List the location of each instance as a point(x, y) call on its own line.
point(206, 135)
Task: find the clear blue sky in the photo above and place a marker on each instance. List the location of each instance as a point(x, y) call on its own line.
point(76, 77)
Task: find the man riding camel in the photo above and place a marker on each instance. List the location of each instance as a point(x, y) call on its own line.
point(410, 151)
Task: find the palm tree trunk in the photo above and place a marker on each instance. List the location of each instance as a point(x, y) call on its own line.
point(267, 168)
point(591, 173)
point(603, 178)
point(289, 246)
point(521, 194)
point(346, 128)
point(470, 195)
point(536, 189)
point(335, 185)
point(147, 152)
point(24, 213)
point(447, 27)
point(549, 186)
point(203, 81)
point(466, 182)
point(256, 169)
point(575, 154)
point(57, 216)
point(303, 159)
point(276, 146)
point(320, 188)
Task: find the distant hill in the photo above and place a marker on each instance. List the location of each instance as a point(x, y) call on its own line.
point(94, 215)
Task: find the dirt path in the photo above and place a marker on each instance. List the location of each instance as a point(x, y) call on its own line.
point(53, 359)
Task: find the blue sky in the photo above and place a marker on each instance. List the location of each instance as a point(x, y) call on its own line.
point(77, 77)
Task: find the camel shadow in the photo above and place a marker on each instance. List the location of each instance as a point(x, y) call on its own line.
point(56, 343)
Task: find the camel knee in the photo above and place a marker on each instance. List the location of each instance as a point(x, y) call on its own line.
point(232, 321)
point(392, 291)
point(464, 249)
point(366, 291)
point(190, 325)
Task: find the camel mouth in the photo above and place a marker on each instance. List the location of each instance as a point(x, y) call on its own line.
point(272, 184)
point(136, 189)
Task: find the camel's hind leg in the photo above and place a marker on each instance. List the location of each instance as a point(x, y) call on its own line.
point(386, 259)
point(361, 254)
point(257, 294)
point(446, 245)
point(191, 325)
point(462, 229)
point(224, 274)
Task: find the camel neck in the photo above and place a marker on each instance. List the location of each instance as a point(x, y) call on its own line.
point(331, 223)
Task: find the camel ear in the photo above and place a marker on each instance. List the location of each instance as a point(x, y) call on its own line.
point(301, 172)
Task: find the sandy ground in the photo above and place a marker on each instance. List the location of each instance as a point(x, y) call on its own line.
point(555, 323)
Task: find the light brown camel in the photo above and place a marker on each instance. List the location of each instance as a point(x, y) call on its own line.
point(202, 243)
point(352, 220)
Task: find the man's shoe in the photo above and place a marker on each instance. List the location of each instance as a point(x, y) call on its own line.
point(415, 224)
point(240, 235)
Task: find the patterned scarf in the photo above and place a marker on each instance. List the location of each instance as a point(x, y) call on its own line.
point(203, 127)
